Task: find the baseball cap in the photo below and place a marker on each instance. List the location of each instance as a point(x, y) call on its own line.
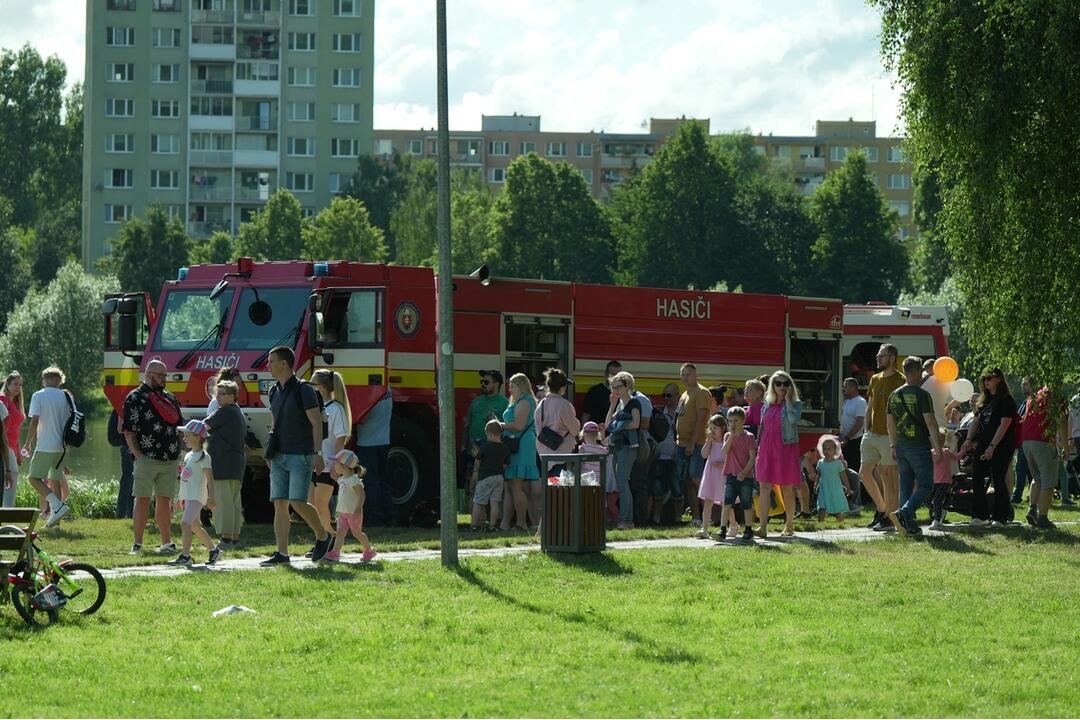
point(493, 374)
point(195, 427)
point(347, 458)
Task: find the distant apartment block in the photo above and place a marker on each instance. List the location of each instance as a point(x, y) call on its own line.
point(606, 159)
point(209, 106)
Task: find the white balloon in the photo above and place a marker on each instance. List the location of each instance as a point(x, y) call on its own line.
point(939, 391)
point(962, 390)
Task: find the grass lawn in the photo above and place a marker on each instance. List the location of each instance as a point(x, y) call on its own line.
point(972, 625)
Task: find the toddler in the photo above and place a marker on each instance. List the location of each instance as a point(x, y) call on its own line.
point(592, 444)
point(486, 483)
point(832, 483)
point(350, 505)
point(196, 492)
point(943, 472)
point(740, 449)
point(711, 491)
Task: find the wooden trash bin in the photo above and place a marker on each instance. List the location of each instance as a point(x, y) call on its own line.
point(573, 519)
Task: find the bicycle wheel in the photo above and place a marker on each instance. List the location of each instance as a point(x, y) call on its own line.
point(20, 598)
point(91, 588)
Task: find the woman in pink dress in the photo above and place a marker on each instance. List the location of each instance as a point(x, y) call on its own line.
point(778, 460)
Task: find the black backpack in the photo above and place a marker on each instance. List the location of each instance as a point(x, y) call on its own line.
point(659, 426)
point(75, 428)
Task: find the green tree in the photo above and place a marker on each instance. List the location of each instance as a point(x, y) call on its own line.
point(857, 256)
point(930, 262)
point(990, 94)
point(214, 250)
point(950, 296)
point(148, 251)
point(15, 277)
point(381, 185)
point(275, 233)
point(60, 324)
point(54, 241)
point(472, 230)
point(674, 222)
point(412, 220)
point(548, 226)
point(31, 130)
point(343, 231)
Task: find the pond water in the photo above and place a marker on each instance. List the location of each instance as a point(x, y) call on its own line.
point(96, 460)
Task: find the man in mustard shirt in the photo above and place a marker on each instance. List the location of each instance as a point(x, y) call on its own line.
point(884, 489)
point(691, 417)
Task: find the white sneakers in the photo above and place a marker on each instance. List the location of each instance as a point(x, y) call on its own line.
point(57, 514)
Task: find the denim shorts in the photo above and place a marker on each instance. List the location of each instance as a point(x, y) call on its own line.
point(290, 476)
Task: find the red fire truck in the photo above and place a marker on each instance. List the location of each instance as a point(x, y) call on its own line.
point(376, 325)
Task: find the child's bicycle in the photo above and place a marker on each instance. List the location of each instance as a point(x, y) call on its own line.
point(40, 586)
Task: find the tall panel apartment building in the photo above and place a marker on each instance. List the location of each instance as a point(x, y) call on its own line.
point(209, 106)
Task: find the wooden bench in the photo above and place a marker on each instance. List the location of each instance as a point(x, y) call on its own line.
point(12, 541)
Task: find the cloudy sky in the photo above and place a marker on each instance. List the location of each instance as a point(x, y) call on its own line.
point(766, 65)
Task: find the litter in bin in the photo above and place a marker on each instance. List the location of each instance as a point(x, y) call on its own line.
point(232, 610)
point(566, 479)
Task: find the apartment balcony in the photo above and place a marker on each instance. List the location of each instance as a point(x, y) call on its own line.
point(623, 161)
point(258, 19)
point(258, 88)
point(213, 87)
point(218, 17)
point(211, 193)
point(254, 195)
point(212, 158)
point(258, 52)
point(811, 164)
point(466, 159)
point(257, 158)
point(212, 51)
point(210, 122)
point(208, 228)
point(244, 123)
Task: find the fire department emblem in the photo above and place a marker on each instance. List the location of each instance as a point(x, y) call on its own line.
point(407, 319)
point(211, 387)
point(835, 322)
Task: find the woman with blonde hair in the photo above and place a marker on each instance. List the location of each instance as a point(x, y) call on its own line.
point(778, 460)
point(11, 397)
point(337, 424)
point(623, 421)
point(518, 426)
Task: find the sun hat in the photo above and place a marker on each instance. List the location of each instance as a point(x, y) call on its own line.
point(195, 427)
point(347, 458)
point(821, 444)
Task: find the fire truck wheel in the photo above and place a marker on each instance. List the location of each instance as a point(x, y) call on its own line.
point(409, 468)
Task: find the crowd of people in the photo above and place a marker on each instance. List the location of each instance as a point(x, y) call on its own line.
point(728, 457)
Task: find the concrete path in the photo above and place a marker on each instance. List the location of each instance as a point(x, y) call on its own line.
point(824, 537)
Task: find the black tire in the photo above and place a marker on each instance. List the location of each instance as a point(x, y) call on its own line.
point(21, 598)
point(411, 466)
point(91, 586)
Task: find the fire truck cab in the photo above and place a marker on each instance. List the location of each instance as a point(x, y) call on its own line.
point(376, 325)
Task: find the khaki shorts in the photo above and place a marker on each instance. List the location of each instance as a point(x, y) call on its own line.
point(1043, 464)
point(43, 465)
point(488, 489)
point(875, 450)
point(155, 478)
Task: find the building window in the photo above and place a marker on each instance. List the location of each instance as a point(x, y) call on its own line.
point(837, 153)
point(556, 149)
point(302, 41)
point(904, 232)
point(167, 108)
point(528, 147)
point(871, 154)
point(302, 7)
point(499, 148)
point(120, 178)
point(344, 112)
point(120, 72)
point(211, 141)
point(120, 5)
point(384, 146)
point(470, 149)
point(344, 147)
point(895, 155)
point(165, 37)
point(165, 179)
point(587, 174)
point(498, 175)
point(300, 146)
point(584, 149)
point(300, 112)
point(116, 213)
point(347, 8)
point(166, 5)
point(346, 77)
point(416, 147)
point(168, 73)
point(899, 181)
point(212, 35)
point(302, 76)
point(257, 70)
point(339, 182)
point(165, 144)
point(213, 106)
point(902, 208)
point(347, 42)
point(120, 36)
point(119, 107)
point(174, 212)
point(300, 182)
point(783, 151)
point(120, 143)
point(807, 151)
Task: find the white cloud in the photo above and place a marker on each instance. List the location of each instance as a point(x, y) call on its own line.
point(602, 64)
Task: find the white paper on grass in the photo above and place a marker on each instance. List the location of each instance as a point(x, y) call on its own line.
point(232, 610)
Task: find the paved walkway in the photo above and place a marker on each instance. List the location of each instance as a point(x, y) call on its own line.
point(826, 537)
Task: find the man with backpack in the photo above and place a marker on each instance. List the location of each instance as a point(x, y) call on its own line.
point(291, 454)
point(151, 415)
point(51, 409)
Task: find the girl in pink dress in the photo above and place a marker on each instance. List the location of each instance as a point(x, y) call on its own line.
point(711, 490)
point(778, 460)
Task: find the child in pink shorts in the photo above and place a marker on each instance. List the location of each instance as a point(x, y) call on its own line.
point(350, 505)
point(196, 492)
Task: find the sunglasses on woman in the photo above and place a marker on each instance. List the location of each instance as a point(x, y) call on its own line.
point(781, 383)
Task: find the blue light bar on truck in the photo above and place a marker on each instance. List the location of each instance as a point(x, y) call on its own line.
point(321, 269)
point(181, 274)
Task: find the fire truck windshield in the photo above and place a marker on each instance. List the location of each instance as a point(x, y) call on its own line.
point(287, 307)
point(188, 317)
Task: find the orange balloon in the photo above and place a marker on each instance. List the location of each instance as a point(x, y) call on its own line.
point(945, 369)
